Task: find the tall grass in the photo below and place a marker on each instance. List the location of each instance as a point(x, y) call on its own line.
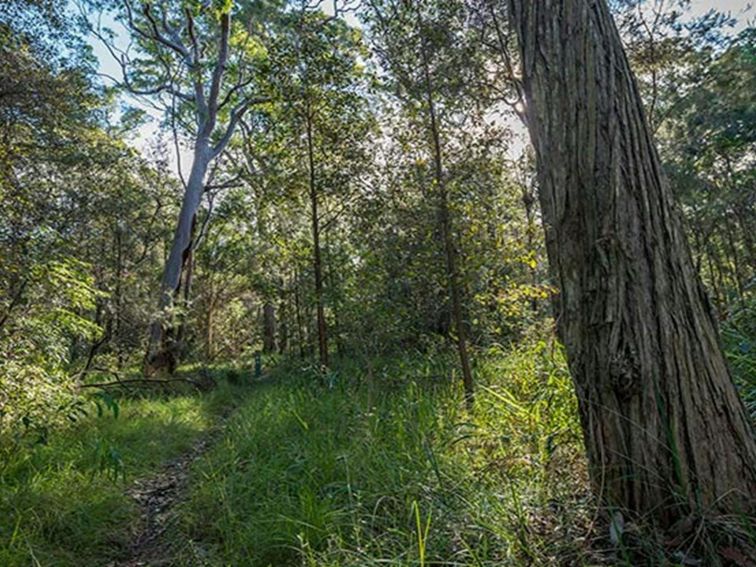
point(376, 463)
point(380, 464)
point(739, 337)
point(64, 503)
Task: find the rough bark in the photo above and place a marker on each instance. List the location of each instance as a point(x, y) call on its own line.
point(665, 431)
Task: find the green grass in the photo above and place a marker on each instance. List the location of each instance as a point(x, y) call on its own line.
point(63, 503)
point(377, 463)
point(383, 466)
point(739, 338)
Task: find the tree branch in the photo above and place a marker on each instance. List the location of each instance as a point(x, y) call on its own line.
point(179, 47)
point(236, 115)
point(220, 66)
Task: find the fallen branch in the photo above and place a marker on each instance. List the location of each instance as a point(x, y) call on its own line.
point(143, 381)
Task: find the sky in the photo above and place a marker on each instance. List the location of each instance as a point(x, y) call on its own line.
point(146, 136)
point(741, 9)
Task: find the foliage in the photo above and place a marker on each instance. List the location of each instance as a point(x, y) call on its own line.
point(309, 474)
point(696, 77)
point(709, 142)
point(35, 390)
point(739, 337)
point(63, 503)
point(374, 460)
point(81, 216)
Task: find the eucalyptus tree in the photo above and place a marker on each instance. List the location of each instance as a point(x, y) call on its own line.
point(665, 432)
point(201, 63)
point(318, 75)
point(432, 62)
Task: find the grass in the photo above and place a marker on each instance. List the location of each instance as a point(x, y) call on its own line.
point(376, 463)
point(739, 338)
point(383, 466)
point(63, 503)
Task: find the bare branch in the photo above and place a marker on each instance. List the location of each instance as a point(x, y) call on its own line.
point(178, 47)
point(236, 115)
point(220, 66)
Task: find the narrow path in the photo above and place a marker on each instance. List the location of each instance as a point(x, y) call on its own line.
point(157, 496)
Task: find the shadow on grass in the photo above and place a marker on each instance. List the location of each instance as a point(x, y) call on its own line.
point(326, 472)
point(64, 503)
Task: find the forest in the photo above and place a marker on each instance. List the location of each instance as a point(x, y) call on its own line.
point(377, 282)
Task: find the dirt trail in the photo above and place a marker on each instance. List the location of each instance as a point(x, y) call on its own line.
point(157, 496)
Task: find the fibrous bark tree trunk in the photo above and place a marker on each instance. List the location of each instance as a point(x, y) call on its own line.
point(665, 431)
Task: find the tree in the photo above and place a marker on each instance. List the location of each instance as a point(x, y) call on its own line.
point(317, 77)
point(191, 53)
point(425, 48)
point(665, 431)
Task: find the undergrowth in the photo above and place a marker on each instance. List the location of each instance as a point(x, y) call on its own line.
point(379, 464)
point(739, 337)
point(374, 463)
point(62, 501)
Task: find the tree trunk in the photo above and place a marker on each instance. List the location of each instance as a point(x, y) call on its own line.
point(747, 235)
point(161, 352)
point(450, 251)
point(269, 327)
point(664, 429)
point(716, 281)
point(298, 313)
point(736, 269)
point(335, 304)
point(185, 290)
point(209, 331)
point(531, 233)
point(317, 264)
point(283, 327)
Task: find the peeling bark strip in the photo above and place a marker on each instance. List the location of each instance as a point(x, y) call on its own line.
point(664, 429)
